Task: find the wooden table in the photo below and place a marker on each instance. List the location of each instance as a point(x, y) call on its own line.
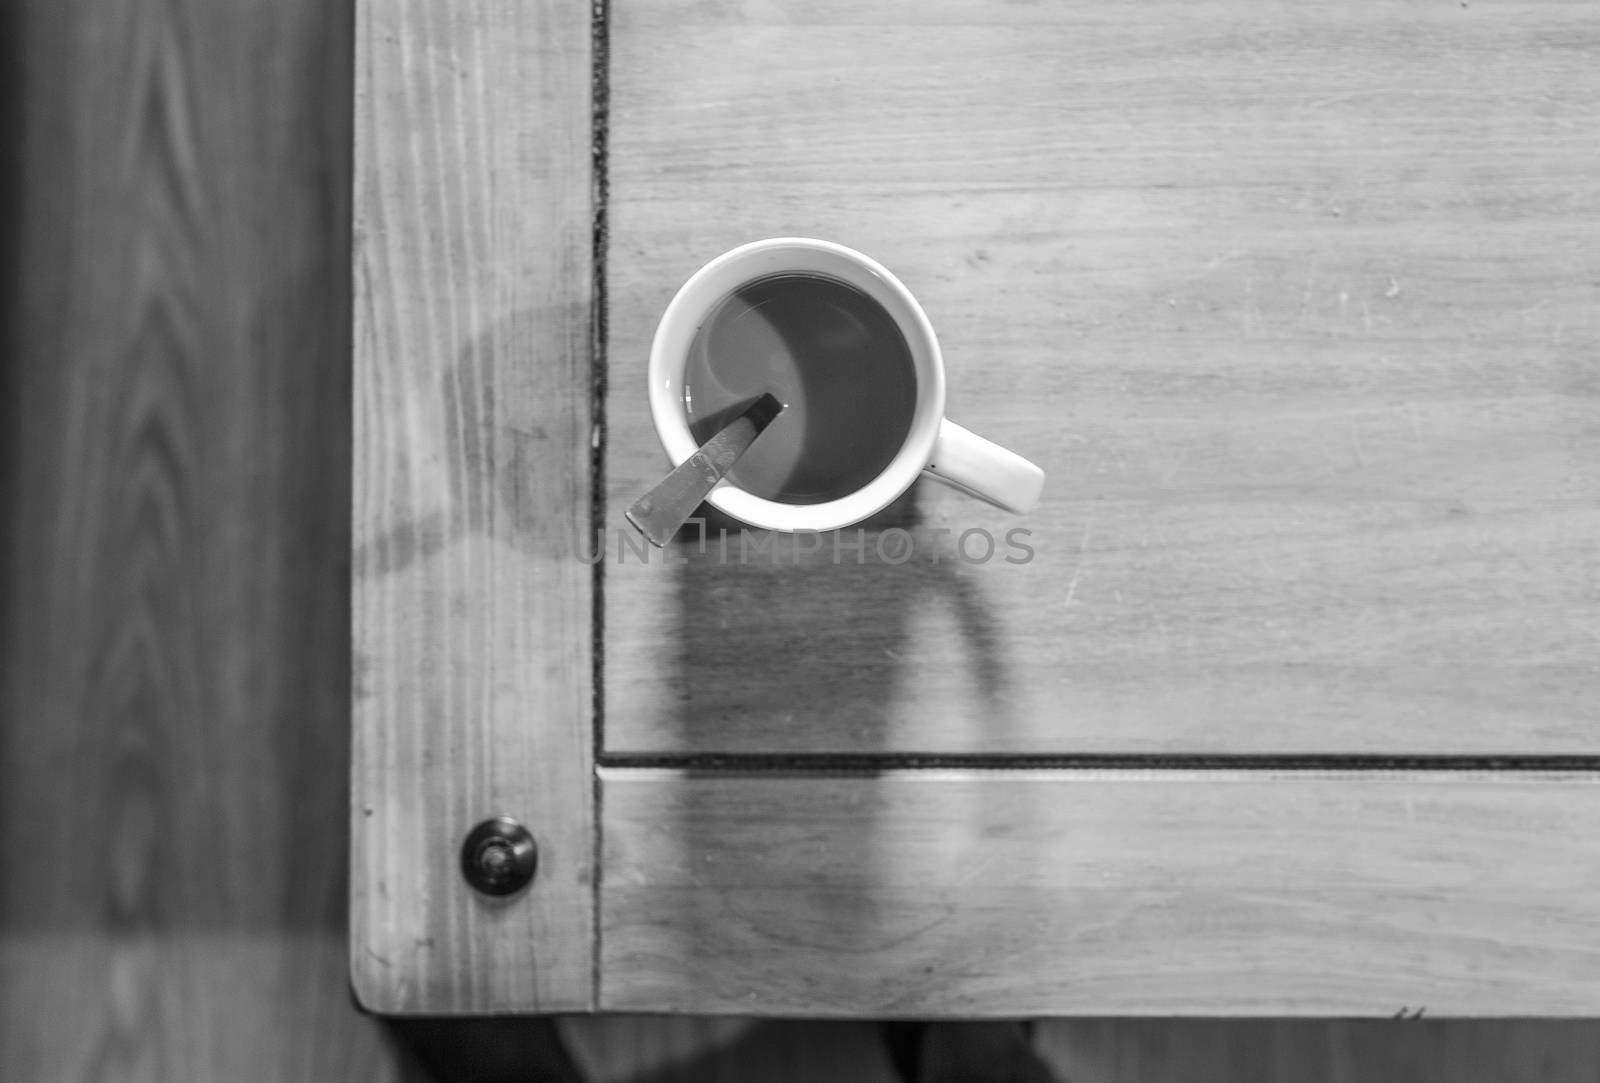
point(1293, 710)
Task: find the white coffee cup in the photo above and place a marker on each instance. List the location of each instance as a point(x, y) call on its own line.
point(933, 445)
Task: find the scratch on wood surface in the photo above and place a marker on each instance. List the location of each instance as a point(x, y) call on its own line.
point(1083, 547)
point(1448, 93)
point(1166, 639)
point(977, 871)
point(1252, 311)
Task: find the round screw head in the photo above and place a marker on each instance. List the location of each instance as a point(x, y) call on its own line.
point(499, 857)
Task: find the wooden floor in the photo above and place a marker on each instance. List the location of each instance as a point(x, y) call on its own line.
point(174, 752)
point(174, 747)
point(1107, 1050)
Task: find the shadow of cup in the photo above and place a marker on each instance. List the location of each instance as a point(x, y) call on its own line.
point(796, 647)
point(792, 643)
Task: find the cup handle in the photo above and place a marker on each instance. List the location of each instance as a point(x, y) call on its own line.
point(984, 469)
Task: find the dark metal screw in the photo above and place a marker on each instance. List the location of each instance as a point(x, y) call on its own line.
point(499, 857)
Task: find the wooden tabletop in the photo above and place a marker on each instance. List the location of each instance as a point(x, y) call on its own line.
point(1291, 709)
point(1299, 310)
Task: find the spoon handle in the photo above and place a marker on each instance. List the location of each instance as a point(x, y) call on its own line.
point(660, 512)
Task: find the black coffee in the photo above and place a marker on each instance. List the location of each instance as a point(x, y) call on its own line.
point(837, 362)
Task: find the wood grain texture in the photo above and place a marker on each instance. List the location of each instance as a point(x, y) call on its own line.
point(1323, 1051)
point(472, 623)
point(945, 893)
point(1298, 307)
point(186, 1003)
point(174, 748)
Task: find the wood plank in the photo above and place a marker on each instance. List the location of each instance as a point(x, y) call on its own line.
point(1318, 1051)
point(948, 893)
point(192, 1003)
point(472, 623)
point(1297, 307)
point(174, 606)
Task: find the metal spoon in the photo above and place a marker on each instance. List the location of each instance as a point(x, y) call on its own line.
point(660, 512)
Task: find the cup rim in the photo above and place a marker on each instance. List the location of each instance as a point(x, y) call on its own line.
point(704, 289)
